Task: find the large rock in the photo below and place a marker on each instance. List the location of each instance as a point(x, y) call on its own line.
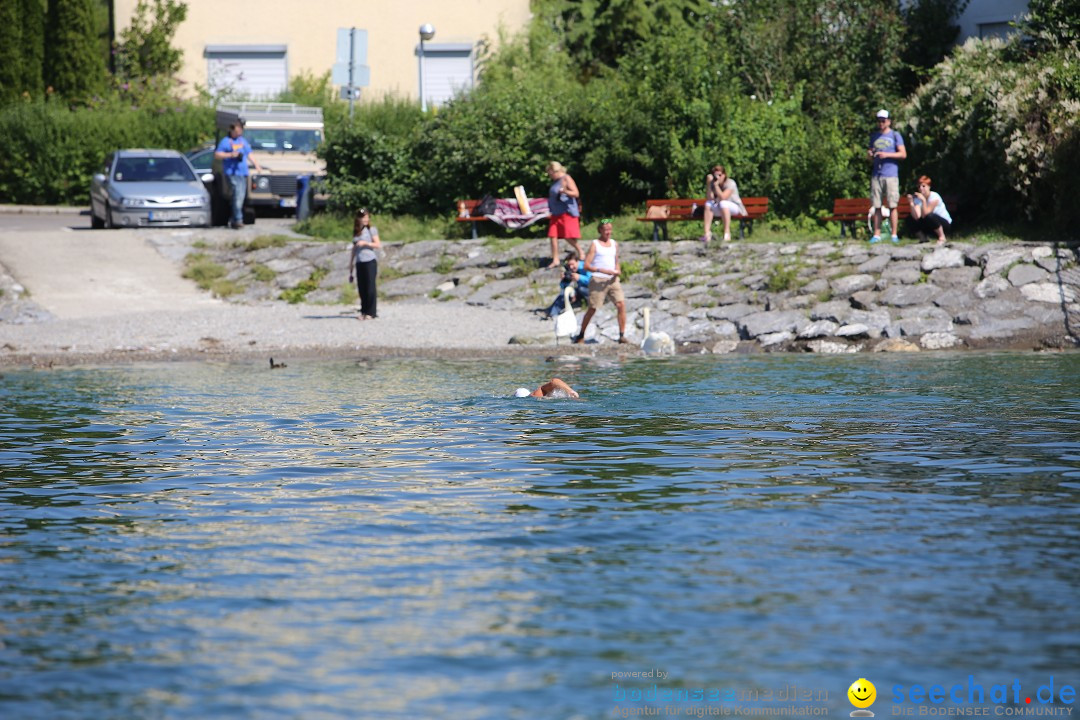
point(1000, 328)
point(1048, 292)
point(732, 312)
point(875, 264)
point(878, 321)
point(853, 330)
point(420, 284)
point(845, 286)
point(998, 260)
point(834, 310)
point(991, 286)
point(943, 257)
point(818, 328)
point(905, 252)
point(831, 347)
point(903, 295)
point(1025, 274)
point(817, 286)
point(723, 347)
point(923, 325)
point(775, 321)
point(896, 345)
point(864, 299)
point(939, 340)
point(486, 293)
point(955, 300)
point(955, 276)
point(776, 338)
point(906, 273)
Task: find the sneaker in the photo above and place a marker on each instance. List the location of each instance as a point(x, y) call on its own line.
point(623, 340)
point(875, 239)
point(895, 240)
point(579, 339)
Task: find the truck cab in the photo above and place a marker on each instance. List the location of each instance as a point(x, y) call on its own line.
point(283, 139)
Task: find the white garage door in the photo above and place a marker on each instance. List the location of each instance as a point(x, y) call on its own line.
point(448, 69)
point(251, 72)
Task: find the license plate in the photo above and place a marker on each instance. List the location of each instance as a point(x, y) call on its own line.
point(287, 202)
point(165, 215)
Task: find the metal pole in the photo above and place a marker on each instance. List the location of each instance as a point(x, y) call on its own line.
point(352, 52)
point(423, 100)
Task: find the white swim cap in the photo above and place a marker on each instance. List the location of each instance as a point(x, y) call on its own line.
point(522, 392)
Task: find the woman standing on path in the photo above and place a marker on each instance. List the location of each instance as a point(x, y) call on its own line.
point(365, 243)
point(565, 210)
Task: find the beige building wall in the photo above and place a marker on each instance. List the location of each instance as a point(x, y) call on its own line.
point(308, 28)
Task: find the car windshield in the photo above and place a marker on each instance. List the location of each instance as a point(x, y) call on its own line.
point(284, 140)
point(152, 169)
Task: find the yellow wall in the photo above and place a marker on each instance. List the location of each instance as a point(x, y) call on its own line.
point(309, 29)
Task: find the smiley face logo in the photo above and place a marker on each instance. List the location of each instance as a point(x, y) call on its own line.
point(862, 693)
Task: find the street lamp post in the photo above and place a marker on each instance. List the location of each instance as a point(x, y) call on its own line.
point(427, 31)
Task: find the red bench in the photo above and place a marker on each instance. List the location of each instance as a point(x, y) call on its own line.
point(848, 211)
point(661, 212)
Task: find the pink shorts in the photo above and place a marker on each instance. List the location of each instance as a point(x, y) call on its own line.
point(564, 226)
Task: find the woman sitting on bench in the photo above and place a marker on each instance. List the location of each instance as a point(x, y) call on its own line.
point(721, 198)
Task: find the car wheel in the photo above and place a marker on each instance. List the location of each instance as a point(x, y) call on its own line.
point(249, 215)
point(107, 223)
point(96, 222)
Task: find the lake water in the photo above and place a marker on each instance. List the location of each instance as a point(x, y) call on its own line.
point(398, 538)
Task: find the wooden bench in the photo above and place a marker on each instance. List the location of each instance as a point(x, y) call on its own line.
point(849, 211)
point(682, 209)
point(464, 214)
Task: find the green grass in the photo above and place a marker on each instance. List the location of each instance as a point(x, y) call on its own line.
point(261, 242)
point(782, 277)
point(519, 267)
point(298, 293)
point(263, 273)
point(444, 265)
point(392, 228)
point(208, 275)
point(200, 268)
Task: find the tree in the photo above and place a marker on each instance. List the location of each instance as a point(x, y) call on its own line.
point(32, 16)
point(73, 66)
point(145, 49)
point(1052, 24)
point(931, 32)
point(10, 55)
point(596, 33)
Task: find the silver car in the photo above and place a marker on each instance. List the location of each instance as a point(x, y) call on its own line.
point(148, 188)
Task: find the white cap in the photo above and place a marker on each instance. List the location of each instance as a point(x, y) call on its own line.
point(883, 113)
point(522, 392)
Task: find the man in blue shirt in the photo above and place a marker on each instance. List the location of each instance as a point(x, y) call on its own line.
point(233, 151)
point(885, 152)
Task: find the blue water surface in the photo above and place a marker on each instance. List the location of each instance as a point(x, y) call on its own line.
point(400, 538)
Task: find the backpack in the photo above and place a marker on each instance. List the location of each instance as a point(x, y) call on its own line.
point(485, 206)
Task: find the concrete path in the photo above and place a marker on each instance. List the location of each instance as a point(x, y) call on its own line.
point(84, 274)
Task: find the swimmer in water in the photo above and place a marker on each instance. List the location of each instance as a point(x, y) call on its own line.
point(553, 388)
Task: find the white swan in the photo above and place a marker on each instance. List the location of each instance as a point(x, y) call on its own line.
point(566, 321)
point(657, 343)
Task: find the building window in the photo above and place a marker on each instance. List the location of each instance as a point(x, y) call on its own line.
point(448, 69)
point(995, 30)
point(248, 72)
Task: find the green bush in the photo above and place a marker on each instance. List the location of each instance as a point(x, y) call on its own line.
point(52, 150)
point(998, 126)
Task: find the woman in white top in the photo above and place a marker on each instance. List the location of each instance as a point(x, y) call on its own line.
point(928, 212)
point(721, 198)
point(602, 261)
point(365, 243)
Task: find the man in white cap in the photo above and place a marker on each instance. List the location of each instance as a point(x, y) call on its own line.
point(553, 388)
point(885, 152)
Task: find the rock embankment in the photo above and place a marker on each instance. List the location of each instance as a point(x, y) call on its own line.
point(828, 296)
